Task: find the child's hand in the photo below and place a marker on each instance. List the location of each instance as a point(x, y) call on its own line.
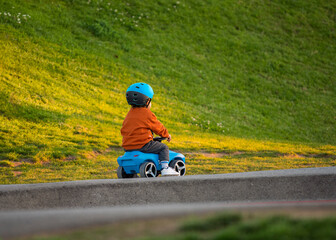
point(169, 138)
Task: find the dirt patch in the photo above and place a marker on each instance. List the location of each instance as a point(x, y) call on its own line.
point(16, 164)
point(261, 154)
point(17, 173)
point(70, 158)
point(293, 156)
point(221, 154)
point(214, 154)
point(95, 154)
point(297, 155)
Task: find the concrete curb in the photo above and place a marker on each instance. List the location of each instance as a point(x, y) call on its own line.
point(293, 184)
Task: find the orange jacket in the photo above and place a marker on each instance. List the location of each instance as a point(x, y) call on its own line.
point(137, 127)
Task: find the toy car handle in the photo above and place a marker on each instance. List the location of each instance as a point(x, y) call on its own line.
point(159, 139)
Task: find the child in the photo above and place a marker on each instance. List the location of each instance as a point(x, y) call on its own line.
point(139, 125)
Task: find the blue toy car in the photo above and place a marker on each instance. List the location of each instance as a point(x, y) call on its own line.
point(147, 164)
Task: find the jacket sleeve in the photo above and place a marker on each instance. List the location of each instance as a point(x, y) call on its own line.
point(156, 126)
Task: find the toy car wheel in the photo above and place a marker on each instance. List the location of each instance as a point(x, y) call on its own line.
point(148, 170)
point(179, 166)
point(122, 174)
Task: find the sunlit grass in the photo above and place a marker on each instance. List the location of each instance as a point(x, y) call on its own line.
point(255, 77)
point(103, 165)
point(255, 161)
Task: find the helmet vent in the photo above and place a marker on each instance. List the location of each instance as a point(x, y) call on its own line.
point(137, 87)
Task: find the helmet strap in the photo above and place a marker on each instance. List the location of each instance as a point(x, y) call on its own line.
point(148, 102)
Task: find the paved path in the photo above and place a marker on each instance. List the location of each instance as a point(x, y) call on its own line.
point(28, 222)
point(35, 208)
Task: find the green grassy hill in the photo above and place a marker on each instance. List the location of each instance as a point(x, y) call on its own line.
point(227, 75)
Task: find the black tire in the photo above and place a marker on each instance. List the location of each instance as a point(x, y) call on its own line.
point(148, 170)
point(179, 166)
point(122, 174)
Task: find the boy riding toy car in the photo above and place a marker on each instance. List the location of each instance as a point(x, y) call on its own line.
point(144, 154)
point(147, 164)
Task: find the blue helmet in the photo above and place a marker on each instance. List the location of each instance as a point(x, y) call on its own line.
point(138, 94)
